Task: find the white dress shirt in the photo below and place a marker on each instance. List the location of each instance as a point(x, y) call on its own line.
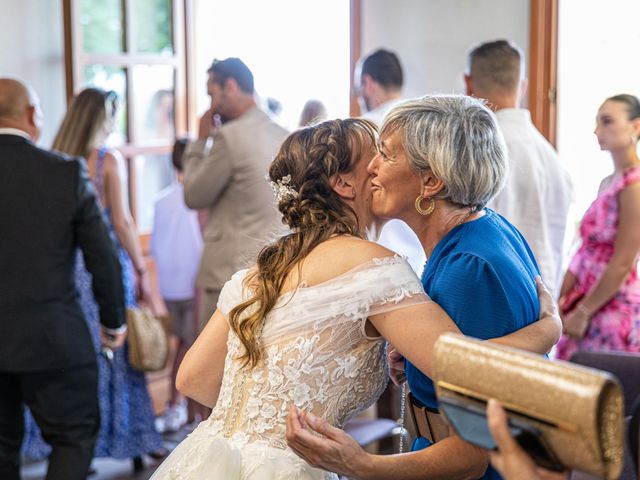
point(538, 193)
point(15, 131)
point(377, 114)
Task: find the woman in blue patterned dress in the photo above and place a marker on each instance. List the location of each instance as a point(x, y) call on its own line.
point(127, 419)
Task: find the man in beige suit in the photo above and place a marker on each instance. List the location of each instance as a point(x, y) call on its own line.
point(224, 172)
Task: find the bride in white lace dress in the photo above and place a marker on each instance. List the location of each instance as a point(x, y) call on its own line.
point(301, 327)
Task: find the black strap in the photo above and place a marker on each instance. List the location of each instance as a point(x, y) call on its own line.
point(634, 434)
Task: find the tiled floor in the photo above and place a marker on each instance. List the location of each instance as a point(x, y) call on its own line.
point(108, 468)
point(112, 469)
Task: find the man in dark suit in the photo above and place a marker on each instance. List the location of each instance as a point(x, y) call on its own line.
point(48, 209)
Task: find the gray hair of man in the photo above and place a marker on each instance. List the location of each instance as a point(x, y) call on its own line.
point(458, 138)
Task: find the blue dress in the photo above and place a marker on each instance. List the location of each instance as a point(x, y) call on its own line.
point(482, 274)
point(127, 422)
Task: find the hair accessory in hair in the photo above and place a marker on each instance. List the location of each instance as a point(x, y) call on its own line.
point(282, 189)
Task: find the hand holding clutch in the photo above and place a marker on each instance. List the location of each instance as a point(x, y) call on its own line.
point(565, 416)
point(510, 459)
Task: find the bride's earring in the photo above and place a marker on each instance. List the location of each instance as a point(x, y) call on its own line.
point(430, 207)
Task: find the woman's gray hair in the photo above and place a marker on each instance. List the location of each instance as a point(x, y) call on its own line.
point(458, 138)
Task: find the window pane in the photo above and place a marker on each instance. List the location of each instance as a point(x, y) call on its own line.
point(153, 173)
point(153, 103)
point(111, 78)
point(102, 26)
point(153, 26)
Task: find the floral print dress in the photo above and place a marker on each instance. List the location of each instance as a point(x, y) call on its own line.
point(616, 326)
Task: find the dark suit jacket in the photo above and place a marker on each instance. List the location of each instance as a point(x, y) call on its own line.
point(48, 208)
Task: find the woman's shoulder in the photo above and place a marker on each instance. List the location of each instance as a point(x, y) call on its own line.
point(488, 244)
point(493, 236)
point(631, 176)
point(333, 260)
point(113, 164)
point(614, 183)
point(350, 252)
point(111, 158)
point(339, 256)
point(232, 293)
point(459, 265)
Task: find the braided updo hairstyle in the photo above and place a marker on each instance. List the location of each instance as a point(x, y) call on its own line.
point(310, 157)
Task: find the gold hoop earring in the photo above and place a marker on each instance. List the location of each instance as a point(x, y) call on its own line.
point(425, 211)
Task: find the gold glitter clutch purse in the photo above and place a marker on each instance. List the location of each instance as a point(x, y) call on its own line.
point(564, 415)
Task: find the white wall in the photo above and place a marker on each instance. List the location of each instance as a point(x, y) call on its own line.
point(597, 58)
point(32, 40)
point(297, 50)
point(431, 37)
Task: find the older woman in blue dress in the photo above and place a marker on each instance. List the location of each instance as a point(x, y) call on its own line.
point(440, 160)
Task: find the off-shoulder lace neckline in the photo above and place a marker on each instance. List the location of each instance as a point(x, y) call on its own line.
point(304, 285)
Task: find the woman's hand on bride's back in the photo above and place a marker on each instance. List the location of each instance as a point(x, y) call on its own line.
point(333, 450)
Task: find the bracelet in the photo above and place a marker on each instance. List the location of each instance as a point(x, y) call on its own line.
point(582, 308)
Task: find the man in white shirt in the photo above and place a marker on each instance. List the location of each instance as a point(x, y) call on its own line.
point(539, 191)
point(378, 83)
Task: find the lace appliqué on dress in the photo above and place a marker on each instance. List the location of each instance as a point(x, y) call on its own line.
point(317, 357)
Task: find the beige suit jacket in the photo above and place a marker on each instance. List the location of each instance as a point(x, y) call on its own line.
point(228, 179)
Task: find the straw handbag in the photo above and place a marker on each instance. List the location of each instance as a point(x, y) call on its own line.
point(564, 415)
point(147, 339)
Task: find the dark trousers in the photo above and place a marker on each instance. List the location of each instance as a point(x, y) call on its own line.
point(64, 404)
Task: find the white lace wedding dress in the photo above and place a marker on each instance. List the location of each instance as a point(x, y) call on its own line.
point(317, 356)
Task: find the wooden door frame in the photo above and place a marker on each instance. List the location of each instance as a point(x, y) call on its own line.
point(355, 50)
point(75, 57)
point(543, 68)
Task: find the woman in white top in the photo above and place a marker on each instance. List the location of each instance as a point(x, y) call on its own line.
point(301, 326)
